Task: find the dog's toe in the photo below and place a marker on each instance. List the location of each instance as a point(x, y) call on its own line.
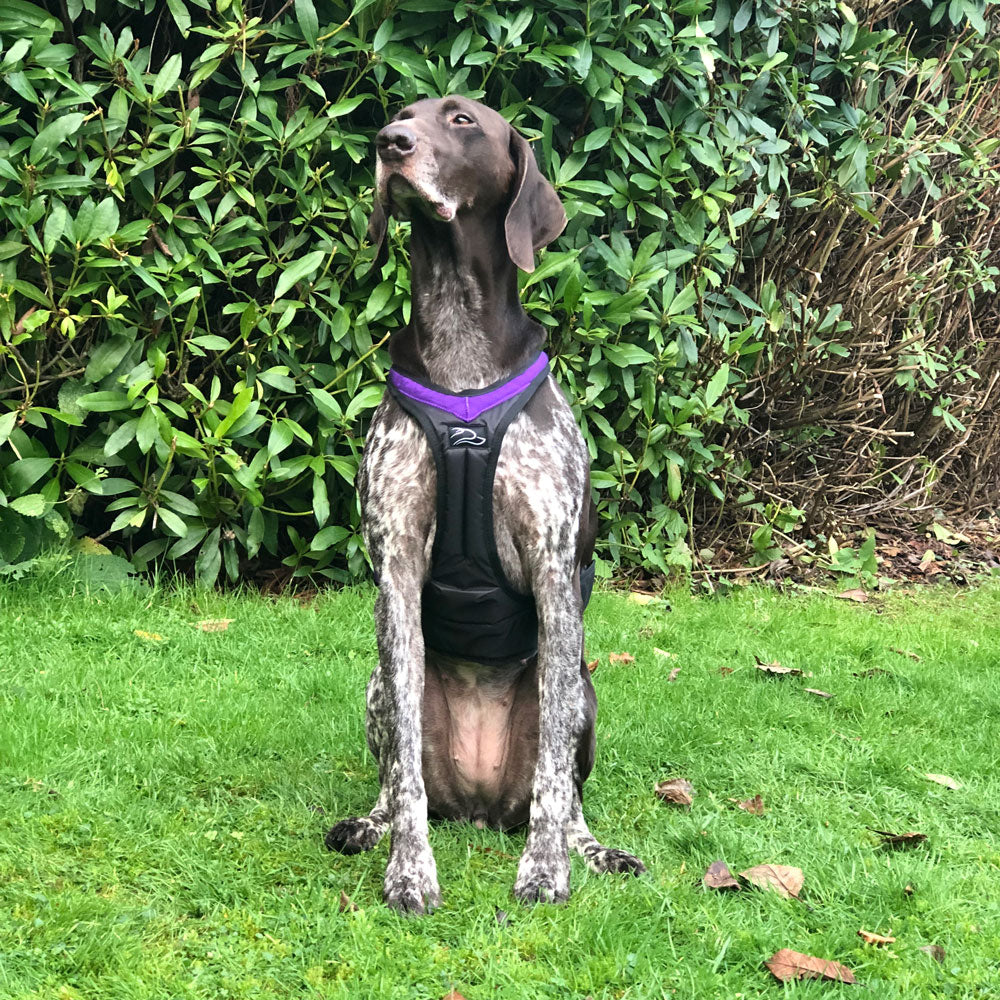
point(612, 860)
point(540, 890)
point(411, 884)
point(352, 836)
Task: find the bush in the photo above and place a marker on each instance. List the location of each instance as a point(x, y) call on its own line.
point(773, 301)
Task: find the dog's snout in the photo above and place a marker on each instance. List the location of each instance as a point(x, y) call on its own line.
point(395, 141)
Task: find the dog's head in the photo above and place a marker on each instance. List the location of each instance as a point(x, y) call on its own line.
point(450, 156)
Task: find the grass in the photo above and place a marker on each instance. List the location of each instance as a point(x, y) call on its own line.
point(164, 801)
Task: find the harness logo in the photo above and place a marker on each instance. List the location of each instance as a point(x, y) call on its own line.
point(465, 436)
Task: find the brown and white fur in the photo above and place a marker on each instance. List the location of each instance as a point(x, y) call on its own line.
point(500, 745)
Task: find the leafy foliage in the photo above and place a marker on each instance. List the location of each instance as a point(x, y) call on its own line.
point(192, 331)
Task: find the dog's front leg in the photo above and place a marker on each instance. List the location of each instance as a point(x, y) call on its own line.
point(411, 875)
point(543, 872)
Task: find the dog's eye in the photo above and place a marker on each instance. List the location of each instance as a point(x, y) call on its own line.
point(462, 120)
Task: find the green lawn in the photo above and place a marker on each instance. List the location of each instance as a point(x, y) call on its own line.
point(164, 802)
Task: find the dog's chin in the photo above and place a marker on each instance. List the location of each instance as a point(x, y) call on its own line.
point(403, 198)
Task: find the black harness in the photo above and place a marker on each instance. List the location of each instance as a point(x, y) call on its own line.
point(470, 609)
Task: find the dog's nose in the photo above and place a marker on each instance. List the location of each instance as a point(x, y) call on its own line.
point(395, 141)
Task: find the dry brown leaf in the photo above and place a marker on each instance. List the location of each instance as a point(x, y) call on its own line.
point(214, 624)
point(453, 995)
point(774, 667)
point(786, 965)
point(148, 636)
point(783, 879)
point(346, 903)
point(818, 693)
point(725, 671)
point(905, 652)
point(943, 779)
point(677, 791)
point(592, 666)
point(673, 675)
point(719, 876)
point(621, 658)
point(754, 805)
point(874, 672)
point(935, 951)
point(664, 653)
point(910, 839)
point(876, 939)
point(854, 595)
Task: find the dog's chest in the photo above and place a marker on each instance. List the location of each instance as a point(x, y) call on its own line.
point(540, 480)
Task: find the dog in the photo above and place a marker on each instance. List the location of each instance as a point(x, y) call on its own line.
point(479, 523)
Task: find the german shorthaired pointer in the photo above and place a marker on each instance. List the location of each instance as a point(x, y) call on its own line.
point(481, 707)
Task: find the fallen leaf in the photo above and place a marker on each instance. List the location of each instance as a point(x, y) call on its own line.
point(910, 839)
point(784, 880)
point(876, 939)
point(677, 791)
point(943, 779)
point(935, 951)
point(346, 903)
point(673, 675)
point(719, 876)
point(453, 995)
point(905, 652)
point(148, 636)
point(754, 805)
point(725, 671)
point(641, 598)
point(774, 667)
point(501, 917)
point(621, 658)
point(664, 653)
point(787, 965)
point(854, 595)
point(874, 672)
point(592, 666)
point(817, 692)
point(214, 624)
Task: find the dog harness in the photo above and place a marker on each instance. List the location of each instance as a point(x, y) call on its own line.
point(469, 608)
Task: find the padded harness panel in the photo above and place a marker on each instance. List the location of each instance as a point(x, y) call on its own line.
point(470, 609)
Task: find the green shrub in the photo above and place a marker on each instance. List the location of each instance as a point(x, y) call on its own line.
point(778, 226)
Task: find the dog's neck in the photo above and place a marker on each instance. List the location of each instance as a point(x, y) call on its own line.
point(467, 326)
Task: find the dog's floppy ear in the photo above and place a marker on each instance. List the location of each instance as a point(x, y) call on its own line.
point(536, 216)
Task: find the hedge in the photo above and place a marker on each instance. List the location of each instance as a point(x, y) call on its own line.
point(779, 231)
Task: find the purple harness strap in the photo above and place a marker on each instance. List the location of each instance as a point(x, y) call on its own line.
point(468, 405)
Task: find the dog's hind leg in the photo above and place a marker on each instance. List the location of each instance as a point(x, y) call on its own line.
point(360, 833)
point(599, 858)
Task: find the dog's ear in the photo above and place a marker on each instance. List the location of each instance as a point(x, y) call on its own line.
point(536, 216)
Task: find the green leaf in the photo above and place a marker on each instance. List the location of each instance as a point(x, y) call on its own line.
point(167, 77)
point(236, 410)
point(181, 16)
point(297, 270)
point(305, 14)
point(717, 385)
point(7, 421)
point(148, 430)
point(30, 505)
point(369, 397)
point(106, 358)
point(53, 135)
point(328, 537)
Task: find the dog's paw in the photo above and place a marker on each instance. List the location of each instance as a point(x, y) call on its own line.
point(352, 836)
point(609, 859)
point(542, 880)
point(411, 884)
